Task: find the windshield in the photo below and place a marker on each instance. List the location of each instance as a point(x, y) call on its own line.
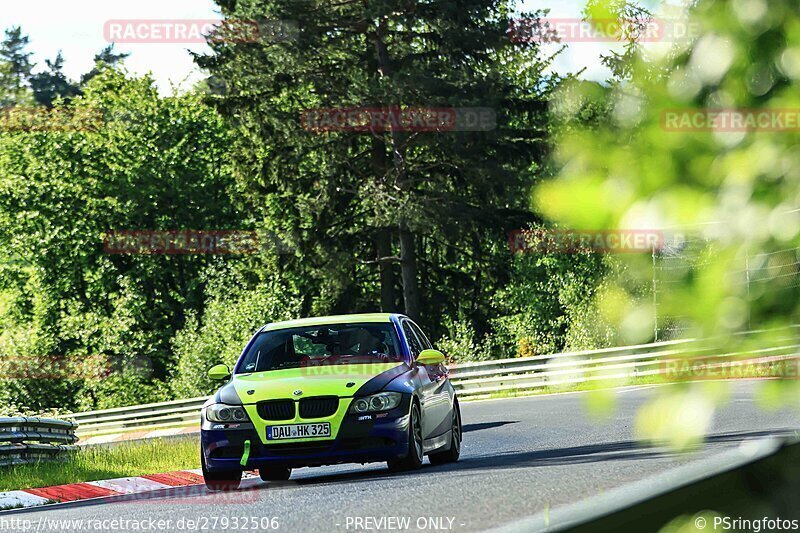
point(337, 344)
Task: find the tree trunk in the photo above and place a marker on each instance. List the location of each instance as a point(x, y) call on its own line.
point(383, 244)
point(408, 252)
point(408, 266)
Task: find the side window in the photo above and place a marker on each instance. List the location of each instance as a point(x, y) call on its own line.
point(426, 344)
point(413, 343)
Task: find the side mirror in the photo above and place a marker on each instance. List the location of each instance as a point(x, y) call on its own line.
point(219, 372)
point(430, 357)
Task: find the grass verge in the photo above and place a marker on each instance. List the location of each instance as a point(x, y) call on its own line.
point(106, 462)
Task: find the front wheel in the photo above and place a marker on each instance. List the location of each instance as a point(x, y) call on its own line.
point(452, 454)
point(222, 480)
point(413, 459)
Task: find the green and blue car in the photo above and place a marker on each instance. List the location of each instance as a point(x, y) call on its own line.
point(329, 390)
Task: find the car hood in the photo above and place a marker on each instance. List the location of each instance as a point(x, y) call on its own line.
point(330, 380)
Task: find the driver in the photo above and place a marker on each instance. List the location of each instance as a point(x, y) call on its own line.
point(368, 344)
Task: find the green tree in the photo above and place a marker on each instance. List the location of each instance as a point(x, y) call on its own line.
point(107, 57)
point(413, 220)
point(152, 163)
point(733, 187)
point(15, 67)
point(235, 309)
point(635, 19)
point(53, 83)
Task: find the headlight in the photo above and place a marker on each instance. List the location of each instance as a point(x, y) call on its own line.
point(377, 402)
point(219, 412)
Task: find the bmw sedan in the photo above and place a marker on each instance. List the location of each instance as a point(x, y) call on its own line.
point(328, 390)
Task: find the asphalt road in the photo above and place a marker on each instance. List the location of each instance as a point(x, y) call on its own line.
point(520, 457)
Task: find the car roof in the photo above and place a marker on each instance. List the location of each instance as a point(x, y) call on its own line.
point(335, 319)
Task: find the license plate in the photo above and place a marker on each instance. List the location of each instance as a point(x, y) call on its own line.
point(299, 431)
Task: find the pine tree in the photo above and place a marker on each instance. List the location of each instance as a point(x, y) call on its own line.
point(107, 57)
point(15, 68)
point(53, 83)
point(423, 212)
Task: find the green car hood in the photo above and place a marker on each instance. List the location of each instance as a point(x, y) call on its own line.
point(312, 381)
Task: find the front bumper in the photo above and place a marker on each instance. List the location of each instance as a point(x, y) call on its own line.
point(383, 437)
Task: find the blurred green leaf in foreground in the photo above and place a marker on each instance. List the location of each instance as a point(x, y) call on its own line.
point(702, 140)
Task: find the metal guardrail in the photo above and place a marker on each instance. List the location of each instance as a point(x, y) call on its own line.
point(32, 439)
point(483, 379)
point(148, 416)
point(527, 374)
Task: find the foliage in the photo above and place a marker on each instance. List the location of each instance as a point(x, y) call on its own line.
point(634, 172)
point(153, 164)
point(232, 314)
point(407, 219)
point(458, 343)
point(395, 220)
point(544, 295)
point(106, 58)
point(15, 68)
point(682, 178)
point(636, 20)
point(52, 83)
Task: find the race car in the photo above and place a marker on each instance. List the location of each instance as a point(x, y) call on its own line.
point(329, 390)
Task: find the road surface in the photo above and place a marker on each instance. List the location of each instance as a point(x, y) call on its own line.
point(520, 456)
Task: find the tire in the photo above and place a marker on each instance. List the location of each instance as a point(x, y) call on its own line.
point(452, 454)
point(413, 459)
point(222, 480)
point(275, 473)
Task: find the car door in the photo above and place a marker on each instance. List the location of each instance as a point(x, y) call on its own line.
point(442, 392)
point(426, 386)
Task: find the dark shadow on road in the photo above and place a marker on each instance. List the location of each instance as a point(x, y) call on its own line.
point(486, 425)
point(611, 451)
